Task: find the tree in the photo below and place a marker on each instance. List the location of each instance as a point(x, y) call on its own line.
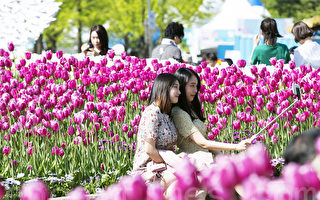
point(122, 18)
point(73, 14)
point(127, 18)
point(298, 9)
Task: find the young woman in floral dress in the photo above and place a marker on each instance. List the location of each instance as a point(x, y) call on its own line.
point(157, 131)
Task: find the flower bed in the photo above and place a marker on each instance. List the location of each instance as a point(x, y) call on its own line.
point(73, 121)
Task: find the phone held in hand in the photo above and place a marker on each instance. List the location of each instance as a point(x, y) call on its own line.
point(90, 45)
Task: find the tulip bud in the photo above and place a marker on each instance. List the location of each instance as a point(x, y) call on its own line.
point(10, 46)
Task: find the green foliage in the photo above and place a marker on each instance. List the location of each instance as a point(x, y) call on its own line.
point(125, 18)
point(298, 9)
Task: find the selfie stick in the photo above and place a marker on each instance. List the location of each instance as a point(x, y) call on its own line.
point(296, 91)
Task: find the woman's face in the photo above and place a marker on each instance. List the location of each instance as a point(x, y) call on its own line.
point(191, 88)
point(174, 92)
point(95, 40)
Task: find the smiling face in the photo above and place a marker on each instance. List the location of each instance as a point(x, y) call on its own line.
point(174, 92)
point(95, 40)
point(191, 88)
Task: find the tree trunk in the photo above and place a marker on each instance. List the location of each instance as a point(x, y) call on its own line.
point(38, 46)
point(126, 42)
point(79, 26)
point(143, 53)
point(52, 43)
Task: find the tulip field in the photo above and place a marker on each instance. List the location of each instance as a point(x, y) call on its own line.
point(72, 121)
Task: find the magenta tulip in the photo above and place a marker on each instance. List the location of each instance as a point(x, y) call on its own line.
point(36, 190)
point(77, 194)
point(10, 46)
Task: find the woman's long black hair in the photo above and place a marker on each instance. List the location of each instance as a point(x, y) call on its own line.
point(184, 75)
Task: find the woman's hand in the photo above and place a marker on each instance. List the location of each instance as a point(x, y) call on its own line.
point(256, 40)
point(243, 145)
point(85, 47)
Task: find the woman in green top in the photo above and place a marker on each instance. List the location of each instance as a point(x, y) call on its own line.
point(262, 53)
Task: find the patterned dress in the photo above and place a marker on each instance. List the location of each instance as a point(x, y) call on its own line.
point(158, 127)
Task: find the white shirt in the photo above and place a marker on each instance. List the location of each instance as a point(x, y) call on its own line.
point(307, 54)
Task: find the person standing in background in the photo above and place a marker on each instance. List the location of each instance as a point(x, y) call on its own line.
point(173, 35)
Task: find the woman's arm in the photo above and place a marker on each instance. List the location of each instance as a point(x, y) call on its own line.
point(256, 41)
point(201, 141)
point(150, 148)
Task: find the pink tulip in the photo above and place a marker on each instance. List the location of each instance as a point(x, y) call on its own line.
point(259, 159)
point(10, 46)
point(54, 125)
point(236, 124)
point(241, 63)
point(273, 61)
point(254, 187)
point(77, 194)
point(111, 54)
point(102, 166)
point(114, 191)
point(36, 190)
point(28, 55)
point(125, 128)
point(155, 192)
point(134, 187)
point(292, 65)
point(2, 192)
point(49, 55)
point(7, 137)
point(6, 150)
point(186, 178)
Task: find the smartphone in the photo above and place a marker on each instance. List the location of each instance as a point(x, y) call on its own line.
point(90, 45)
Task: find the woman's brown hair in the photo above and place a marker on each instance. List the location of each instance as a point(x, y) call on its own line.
point(160, 92)
point(301, 31)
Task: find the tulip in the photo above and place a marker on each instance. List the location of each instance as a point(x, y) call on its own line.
point(241, 63)
point(115, 191)
point(111, 54)
point(186, 178)
point(3, 192)
point(134, 187)
point(273, 61)
point(155, 192)
point(77, 194)
point(49, 55)
point(255, 188)
point(125, 128)
point(102, 166)
point(6, 150)
point(36, 190)
point(236, 124)
point(10, 46)
point(28, 55)
point(7, 137)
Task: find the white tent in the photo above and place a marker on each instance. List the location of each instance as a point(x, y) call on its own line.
point(222, 27)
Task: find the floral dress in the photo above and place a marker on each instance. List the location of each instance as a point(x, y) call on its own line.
point(157, 126)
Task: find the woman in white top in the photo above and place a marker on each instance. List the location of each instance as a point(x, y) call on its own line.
point(308, 53)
